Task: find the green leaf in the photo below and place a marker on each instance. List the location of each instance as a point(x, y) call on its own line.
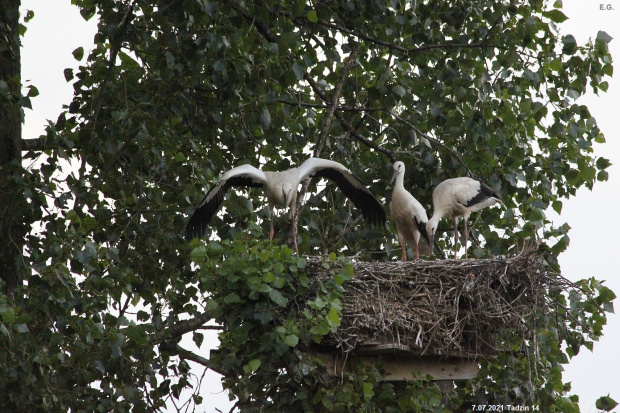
point(602, 36)
point(555, 15)
point(32, 91)
point(8, 315)
point(215, 246)
point(199, 254)
point(68, 74)
point(312, 17)
point(252, 366)
point(606, 295)
point(278, 298)
point(565, 405)
point(606, 403)
point(29, 16)
point(555, 65)
point(603, 163)
point(333, 317)
point(265, 118)
point(536, 214)
point(232, 298)
point(22, 328)
point(87, 254)
point(179, 157)
point(299, 71)
point(78, 53)
point(368, 391)
point(569, 44)
point(399, 90)
point(291, 340)
point(602, 176)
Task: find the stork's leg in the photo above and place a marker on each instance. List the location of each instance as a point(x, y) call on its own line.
point(456, 236)
point(416, 240)
point(271, 223)
point(402, 247)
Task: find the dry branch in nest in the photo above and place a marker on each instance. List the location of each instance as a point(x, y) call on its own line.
point(440, 307)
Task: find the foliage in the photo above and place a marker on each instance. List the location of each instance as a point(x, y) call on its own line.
point(272, 316)
point(170, 94)
point(531, 374)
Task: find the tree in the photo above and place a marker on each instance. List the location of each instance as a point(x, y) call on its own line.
point(13, 228)
point(174, 93)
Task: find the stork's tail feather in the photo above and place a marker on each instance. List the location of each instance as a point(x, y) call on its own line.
point(422, 229)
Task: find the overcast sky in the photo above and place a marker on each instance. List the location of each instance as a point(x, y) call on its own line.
point(58, 29)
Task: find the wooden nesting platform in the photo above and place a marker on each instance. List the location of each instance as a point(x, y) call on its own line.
point(436, 317)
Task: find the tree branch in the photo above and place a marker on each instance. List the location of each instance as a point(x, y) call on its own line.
point(346, 125)
point(188, 355)
point(185, 326)
point(333, 240)
point(36, 145)
point(326, 106)
point(349, 63)
point(349, 128)
point(114, 49)
point(406, 51)
point(431, 139)
point(266, 33)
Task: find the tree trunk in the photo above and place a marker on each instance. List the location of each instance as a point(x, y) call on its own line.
point(12, 225)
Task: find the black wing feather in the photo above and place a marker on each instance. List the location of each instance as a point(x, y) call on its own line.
point(483, 194)
point(358, 194)
point(210, 204)
point(422, 229)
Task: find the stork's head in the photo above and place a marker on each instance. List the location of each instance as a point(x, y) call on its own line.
point(399, 168)
point(431, 228)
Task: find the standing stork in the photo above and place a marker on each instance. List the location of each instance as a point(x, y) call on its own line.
point(408, 216)
point(281, 191)
point(457, 197)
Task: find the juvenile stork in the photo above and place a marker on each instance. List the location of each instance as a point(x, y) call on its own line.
point(408, 216)
point(281, 191)
point(457, 197)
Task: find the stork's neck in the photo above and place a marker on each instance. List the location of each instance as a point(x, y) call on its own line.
point(400, 178)
point(438, 213)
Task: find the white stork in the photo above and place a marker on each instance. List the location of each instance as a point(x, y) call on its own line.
point(408, 216)
point(457, 197)
point(281, 191)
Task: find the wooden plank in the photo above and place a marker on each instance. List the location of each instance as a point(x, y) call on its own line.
point(400, 367)
point(392, 348)
point(368, 348)
point(400, 363)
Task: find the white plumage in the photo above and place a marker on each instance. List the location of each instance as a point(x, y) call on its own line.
point(457, 197)
point(408, 216)
point(281, 191)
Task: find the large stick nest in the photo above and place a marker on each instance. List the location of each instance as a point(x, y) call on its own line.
point(440, 307)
